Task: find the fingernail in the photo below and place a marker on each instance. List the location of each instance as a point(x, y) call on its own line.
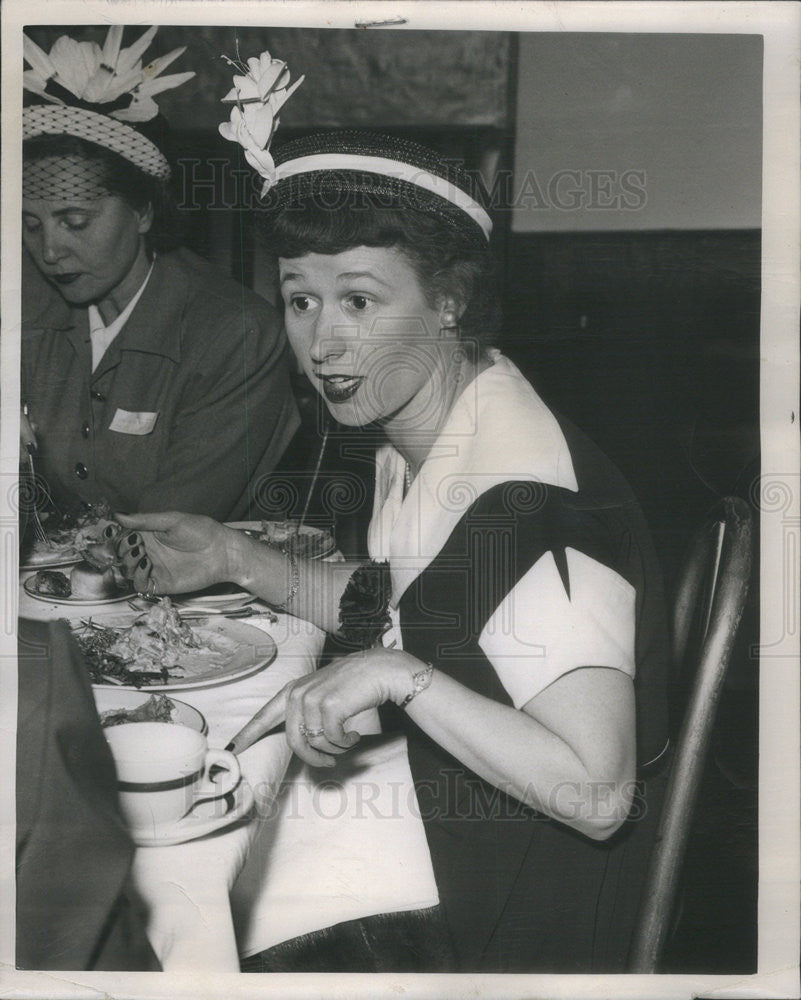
point(135, 552)
point(108, 532)
point(132, 539)
point(230, 746)
point(143, 563)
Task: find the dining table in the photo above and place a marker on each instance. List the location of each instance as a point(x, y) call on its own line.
point(319, 846)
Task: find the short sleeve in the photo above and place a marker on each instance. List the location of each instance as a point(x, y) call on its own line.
point(539, 631)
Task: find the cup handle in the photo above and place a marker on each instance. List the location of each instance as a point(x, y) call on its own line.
point(209, 789)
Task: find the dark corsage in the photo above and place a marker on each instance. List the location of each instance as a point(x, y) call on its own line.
point(363, 607)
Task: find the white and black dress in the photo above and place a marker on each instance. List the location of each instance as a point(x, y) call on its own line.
point(517, 555)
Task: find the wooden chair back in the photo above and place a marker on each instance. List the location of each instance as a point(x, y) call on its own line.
point(708, 605)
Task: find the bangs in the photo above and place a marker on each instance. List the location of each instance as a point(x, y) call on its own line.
point(356, 220)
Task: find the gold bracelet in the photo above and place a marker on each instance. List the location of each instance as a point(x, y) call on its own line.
point(294, 584)
point(421, 679)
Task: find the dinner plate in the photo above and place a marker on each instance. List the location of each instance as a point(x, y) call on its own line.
point(74, 601)
point(305, 530)
point(205, 818)
point(52, 560)
point(67, 554)
point(254, 650)
point(112, 698)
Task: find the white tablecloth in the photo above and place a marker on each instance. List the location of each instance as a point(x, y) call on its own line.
point(320, 846)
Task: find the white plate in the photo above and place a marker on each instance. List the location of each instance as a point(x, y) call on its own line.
point(111, 698)
point(254, 650)
point(199, 823)
point(52, 561)
point(306, 530)
point(75, 601)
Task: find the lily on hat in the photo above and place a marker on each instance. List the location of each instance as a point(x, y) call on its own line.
point(260, 90)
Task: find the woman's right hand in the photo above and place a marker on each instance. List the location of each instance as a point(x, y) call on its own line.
point(175, 553)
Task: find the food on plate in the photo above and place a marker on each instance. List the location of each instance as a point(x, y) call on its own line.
point(157, 708)
point(91, 583)
point(48, 581)
point(156, 649)
point(84, 583)
point(98, 544)
point(305, 542)
point(57, 544)
point(72, 535)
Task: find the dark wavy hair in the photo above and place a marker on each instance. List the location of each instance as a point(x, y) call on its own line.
point(446, 260)
point(121, 178)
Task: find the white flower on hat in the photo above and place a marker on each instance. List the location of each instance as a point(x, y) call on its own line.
point(102, 76)
point(260, 91)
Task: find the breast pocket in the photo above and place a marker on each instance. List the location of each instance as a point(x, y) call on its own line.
point(138, 423)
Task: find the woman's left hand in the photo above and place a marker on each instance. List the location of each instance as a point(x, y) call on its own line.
point(317, 707)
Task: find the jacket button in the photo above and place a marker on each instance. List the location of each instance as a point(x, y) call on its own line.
point(81, 471)
point(98, 396)
point(85, 430)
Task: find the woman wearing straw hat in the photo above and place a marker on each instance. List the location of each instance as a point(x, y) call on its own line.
point(511, 620)
point(152, 380)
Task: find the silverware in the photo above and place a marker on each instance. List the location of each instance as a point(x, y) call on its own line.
point(191, 615)
point(194, 614)
point(38, 527)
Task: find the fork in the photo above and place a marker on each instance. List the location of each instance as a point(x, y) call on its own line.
point(38, 527)
point(195, 614)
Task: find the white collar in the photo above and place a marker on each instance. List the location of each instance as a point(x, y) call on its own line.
point(498, 430)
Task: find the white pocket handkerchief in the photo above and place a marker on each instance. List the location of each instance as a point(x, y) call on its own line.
point(129, 422)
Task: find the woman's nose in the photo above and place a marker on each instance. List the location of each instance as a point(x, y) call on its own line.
point(331, 341)
point(53, 250)
point(325, 349)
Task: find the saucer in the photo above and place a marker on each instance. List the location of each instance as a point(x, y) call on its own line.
point(196, 824)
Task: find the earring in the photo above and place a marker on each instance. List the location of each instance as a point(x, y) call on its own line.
point(450, 321)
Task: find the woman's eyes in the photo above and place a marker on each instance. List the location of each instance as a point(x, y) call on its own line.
point(76, 221)
point(301, 303)
point(305, 304)
point(73, 223)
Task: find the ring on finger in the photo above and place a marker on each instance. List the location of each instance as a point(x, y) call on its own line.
point(309, 734)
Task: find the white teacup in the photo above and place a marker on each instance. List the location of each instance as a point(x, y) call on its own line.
point(163, 771)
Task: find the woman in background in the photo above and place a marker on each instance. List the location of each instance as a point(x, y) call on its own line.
point(152, 381)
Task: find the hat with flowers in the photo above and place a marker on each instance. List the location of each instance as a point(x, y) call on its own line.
point(344, 162)
point(102, 94)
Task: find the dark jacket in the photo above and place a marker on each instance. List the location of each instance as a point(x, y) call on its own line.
point(73, 851)
point(203, 358)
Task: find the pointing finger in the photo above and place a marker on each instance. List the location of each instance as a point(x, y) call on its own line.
point(263, 722)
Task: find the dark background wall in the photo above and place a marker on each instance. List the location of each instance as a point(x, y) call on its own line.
point(650, 341)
